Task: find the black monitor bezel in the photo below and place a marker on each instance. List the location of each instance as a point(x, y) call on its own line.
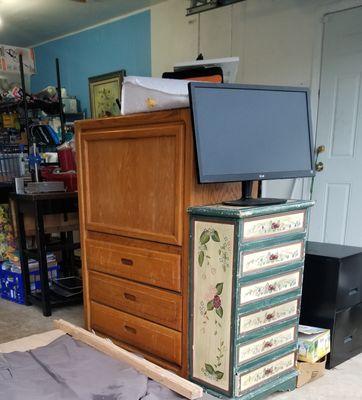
point(262, 175)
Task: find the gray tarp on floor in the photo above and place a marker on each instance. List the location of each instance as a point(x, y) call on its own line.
point(67, 369)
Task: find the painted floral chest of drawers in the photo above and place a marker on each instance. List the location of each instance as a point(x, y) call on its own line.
point(246, 279)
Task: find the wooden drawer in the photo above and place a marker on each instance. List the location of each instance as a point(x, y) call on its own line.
point(273, 225)
point(272, 286)
point(142, 265)
point(147, 336)
point(261, 375)
point(268, 316)
point(153, 304)
point(256, 261)
point(260, 347)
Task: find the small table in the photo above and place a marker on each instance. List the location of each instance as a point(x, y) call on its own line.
point(39, 205)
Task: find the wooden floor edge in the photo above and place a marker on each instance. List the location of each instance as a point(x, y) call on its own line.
point(167, 378)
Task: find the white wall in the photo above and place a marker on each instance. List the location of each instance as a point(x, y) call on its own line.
point(277, 41)
point(173, 36)
point(273, 38)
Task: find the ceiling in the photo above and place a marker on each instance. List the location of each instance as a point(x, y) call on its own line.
point(29, 22)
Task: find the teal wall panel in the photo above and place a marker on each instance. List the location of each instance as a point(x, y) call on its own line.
point(122, 44)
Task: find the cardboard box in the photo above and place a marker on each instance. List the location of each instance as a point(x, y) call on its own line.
point(308, 372)
point(313, 343)
point(53, 223)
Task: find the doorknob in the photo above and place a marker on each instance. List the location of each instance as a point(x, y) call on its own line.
point(319, 166)
point(321, 149)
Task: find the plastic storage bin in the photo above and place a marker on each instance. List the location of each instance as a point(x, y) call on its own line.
point(12, 285)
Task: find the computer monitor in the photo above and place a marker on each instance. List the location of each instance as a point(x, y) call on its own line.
point(248, 132)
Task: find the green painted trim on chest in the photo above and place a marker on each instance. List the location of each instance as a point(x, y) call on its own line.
point(248, 212)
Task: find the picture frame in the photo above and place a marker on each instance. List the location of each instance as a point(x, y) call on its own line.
point(105, 94)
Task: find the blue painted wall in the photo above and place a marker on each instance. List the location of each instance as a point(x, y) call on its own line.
point(123, 44)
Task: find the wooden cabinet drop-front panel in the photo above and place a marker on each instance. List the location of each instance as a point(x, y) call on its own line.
point(134, 181)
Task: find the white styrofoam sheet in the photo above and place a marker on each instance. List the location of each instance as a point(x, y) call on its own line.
point(142, 94)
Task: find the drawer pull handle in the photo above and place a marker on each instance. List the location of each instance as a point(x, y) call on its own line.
point(353, 292)
point(126, 261)
point(348, 339)
point(271, 288)
point(273, 257)
point(129, 329)
point(275, 225)
point(270, 316)
point(268, 345)
point(130, 297)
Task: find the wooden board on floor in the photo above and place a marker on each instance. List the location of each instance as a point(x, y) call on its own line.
point(153, 371)
point(158, 374)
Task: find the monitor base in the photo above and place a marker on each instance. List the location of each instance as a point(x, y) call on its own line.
point(251, 202)
point(247, 200)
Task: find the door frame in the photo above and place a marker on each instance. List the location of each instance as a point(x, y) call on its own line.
point(322, 17)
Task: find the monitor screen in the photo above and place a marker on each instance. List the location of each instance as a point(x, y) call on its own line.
point(246, 132)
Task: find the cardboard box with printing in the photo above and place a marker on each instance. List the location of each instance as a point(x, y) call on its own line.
point(313, 343)
point(313, 347)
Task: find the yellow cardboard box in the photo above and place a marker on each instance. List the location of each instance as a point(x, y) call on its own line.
point(313, 343)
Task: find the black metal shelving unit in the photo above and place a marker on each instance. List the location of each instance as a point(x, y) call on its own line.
point(58, 106)
point(27, 102)
point(43, 204)
point(23, 106)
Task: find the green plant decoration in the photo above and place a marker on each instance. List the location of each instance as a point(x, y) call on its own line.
point(205, 238)
point(213, 370)
point(210, 369)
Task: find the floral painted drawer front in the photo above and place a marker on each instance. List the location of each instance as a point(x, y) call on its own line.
point(265, 345)
point(271, 257)
point(270, 287)
point(267, 316)
point(257, 228)
point(260, 375)
point(213, 246)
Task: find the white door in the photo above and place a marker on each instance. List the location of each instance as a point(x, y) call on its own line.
point(337, 215)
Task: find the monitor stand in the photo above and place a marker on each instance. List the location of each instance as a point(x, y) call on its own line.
point(247, 200)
